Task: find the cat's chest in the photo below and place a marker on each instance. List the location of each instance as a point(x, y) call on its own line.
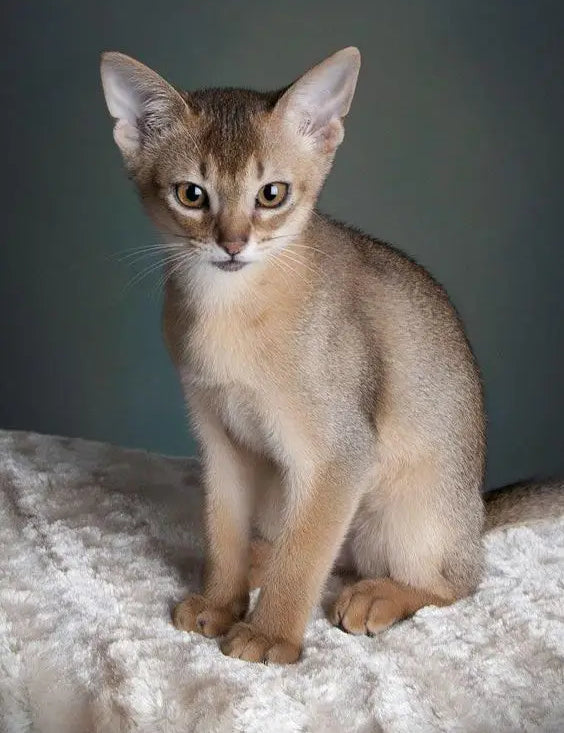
point(223, 354)
point(253, 392)
point(230, 367)
point(246, 415)
point(268, 421)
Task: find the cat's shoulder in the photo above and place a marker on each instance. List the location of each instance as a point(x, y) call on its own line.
point(376, 254)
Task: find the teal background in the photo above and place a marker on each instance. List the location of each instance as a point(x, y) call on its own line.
point(454, 151)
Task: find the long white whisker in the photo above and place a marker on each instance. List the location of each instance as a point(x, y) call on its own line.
point(292, 269)
point(285, 253)
point(279, 267)
point(298, 245)
point(174, 267)
point(148, 251)
point(147, 271)
point(171, 269)
point(144, 248)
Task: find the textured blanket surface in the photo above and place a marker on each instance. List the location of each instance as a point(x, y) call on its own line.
point(97, 542)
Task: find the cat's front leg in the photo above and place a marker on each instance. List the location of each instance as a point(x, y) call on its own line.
point(228, 483)
point(321, 505)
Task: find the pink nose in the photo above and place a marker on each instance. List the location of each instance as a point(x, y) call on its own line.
point(232, 248)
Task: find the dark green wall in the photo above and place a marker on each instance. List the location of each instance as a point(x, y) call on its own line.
point(454, 151)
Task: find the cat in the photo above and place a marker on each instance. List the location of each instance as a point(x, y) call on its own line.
point(335, 398)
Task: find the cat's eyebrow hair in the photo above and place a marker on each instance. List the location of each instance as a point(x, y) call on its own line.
point(260, 169)
point(203, 169)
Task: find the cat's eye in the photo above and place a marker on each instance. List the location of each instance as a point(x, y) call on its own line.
point(191, 195)
point(272, 195)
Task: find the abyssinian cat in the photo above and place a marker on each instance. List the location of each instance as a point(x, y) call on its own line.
point(334, 395)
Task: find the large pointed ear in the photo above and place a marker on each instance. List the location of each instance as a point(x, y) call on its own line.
point(317, 102)
point(140, 101)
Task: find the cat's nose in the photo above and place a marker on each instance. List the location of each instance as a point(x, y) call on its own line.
point(232, 248)
point(232, 233)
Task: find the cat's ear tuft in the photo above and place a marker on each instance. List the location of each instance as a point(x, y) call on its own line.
point(319, 100)
point(140, 101)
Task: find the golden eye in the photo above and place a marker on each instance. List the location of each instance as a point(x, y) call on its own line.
point(191, 195)
point(272, 195)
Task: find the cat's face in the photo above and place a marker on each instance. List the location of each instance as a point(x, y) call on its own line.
point(231, 176)
point(230, 179)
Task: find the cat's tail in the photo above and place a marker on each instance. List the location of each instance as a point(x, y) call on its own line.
point(523, 503)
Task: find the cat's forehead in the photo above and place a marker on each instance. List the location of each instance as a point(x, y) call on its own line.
point(230, 125)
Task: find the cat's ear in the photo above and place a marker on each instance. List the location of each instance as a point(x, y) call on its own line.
point(140, 101)
point(317, 102)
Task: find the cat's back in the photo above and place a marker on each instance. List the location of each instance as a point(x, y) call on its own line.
point(409, 330)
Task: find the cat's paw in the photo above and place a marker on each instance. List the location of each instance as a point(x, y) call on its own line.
point(367, 607)
point(245, 642)
point(196, 613)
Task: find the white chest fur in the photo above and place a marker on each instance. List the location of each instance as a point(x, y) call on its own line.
point(226, 364)
point(245, 369)
point(246, 416)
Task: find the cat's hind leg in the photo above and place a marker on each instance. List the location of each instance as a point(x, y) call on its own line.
point(415, 542)
point(370, 606)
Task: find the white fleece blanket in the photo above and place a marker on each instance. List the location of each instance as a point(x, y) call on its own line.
point(97, 542)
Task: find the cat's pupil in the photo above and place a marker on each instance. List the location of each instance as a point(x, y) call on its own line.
point(193, 192)
point(270, 191)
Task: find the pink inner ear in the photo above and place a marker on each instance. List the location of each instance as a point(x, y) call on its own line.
point(126, 136)
point(331, 136)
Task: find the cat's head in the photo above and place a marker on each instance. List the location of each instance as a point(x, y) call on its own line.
point(232, 174)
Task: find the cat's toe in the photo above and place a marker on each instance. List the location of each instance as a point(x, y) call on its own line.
point(196, 613)
point(365, 608)
point(245, 642)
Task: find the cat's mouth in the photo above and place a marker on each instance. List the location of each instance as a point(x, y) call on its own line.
point(230, 265)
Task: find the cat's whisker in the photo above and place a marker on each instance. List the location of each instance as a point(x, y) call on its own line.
point(299, 245)
point(145, 251)
point(288, 255)
point(140, 276)
point(144, 256)
point(147, 271)
point(142, 248)
point(168, 258)
point(292, 269)
point(296, 245)
point(316, 213)
point(279, 236)
point(313, 268)
point(171, 269)
point(153, 248)
point(279, 267)
point(119, 256)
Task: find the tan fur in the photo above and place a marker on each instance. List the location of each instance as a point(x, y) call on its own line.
point(261, 552)
point(524, 502)
point(370, 606)
point(330, 385)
